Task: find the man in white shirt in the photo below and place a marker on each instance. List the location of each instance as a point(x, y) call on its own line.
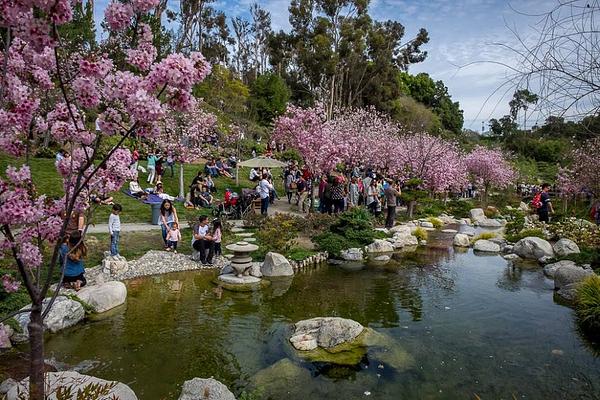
point(203, 240)
point(264, 190)
point(254, 175)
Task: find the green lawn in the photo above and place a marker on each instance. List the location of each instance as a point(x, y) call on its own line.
point(48, 181)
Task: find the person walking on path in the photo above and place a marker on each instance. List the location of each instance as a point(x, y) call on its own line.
point(114, 228)
point(168, 216)
point(151, 167)
point(391, 194)
point(203, 240)
point(302, 193)
point(545, 208)
point(353, 193)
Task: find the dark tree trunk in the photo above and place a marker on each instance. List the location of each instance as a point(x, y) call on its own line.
point(36, 341)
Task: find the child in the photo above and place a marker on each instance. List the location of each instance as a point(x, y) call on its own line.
point(114, 228)
point(173, 236)
point(72, 254)
point(216, 236)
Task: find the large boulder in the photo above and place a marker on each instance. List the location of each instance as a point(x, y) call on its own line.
point(461, 240)
point(205, 389)
point(550, 269)
point(570, 275)
point(105, 296)
point(76, 381)
point(467, 230)
point(281, 378)
point(324, 332)
point(352, 254)
point(276, 265)
point(489, 223)
point(533, 248)
point(403, 229)
point(114, 265)
point(63, 314)
point(379, 246)
point(564, 247)
point(477, 214)
point(486, 246)
point(404, 239)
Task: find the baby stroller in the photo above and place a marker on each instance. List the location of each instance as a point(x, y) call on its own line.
point(245, 202)
point(228, 209)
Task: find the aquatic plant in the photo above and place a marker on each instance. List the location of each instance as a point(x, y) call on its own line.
point(436, 222)
point(588, 304)
point(420, 233)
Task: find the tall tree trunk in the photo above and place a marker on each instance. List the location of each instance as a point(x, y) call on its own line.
point(36, 342)
point(181, 188)
point(411, 208)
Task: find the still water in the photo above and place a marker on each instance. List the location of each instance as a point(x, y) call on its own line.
point(472, 326)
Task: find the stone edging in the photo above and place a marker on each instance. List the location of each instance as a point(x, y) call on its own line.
point(312, 261)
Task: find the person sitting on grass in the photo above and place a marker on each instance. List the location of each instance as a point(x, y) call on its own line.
point(101, 200)
point(212, 169)
point(136, 190)
point(222, 168)
point(72, 254)
point(206, 196)
point(173, 237)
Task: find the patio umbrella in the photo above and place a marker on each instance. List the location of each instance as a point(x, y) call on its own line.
point(262, 162)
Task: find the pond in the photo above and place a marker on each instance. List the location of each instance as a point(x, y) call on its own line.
point(471, 326)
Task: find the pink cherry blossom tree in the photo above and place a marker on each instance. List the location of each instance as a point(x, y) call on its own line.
point(489, 168)
point(45, 90)
point(185, 137)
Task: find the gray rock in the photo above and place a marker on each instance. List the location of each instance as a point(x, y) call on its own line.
point(569, 292)
point(477, 214)
point(114, 265)
point(550, 269)
point(77, 381)
point(255, 270)
point(449, 231)
point(382, 258)
point(568, 275)
point(276, 264)
point(461, 240)
point(227, 269)
point(564, 247)
point(352, 254)
point(5, 334)
point(405, 229)
point(205, 389)
point(105, 296)
point(508, 248)
point(489, 223)
point(511, 257)
point(328, 332)
point(379, 246)
point(545, 259)
point(486, 246)
point(533, 248)
point(403, 240)
point(422, 242)
point(426, 224)
point(523, 207)
point(64, 313)
point(282, 377)
point(467, 230)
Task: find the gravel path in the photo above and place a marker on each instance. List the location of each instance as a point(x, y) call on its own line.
point(125, 227)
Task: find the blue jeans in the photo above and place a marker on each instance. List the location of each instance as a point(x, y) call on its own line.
point(264, 205)
point(165, 230)
point(114, 243)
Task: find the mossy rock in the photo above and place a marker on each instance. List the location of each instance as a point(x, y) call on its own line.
point(279, 377)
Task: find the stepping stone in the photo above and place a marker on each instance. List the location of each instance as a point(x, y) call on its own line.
point(235, 229)
point(449, 230)
point(245, 234)
point(250, 239)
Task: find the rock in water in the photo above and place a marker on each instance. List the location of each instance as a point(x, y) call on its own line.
point(105, 296)
point(352, 254)
point(379, 246)
point(281, 378)
point(205, 389)
point(533, 248)
point(569, 275)
point(564, 247)
point(276, 265)
point(486, 246)
point(511, 257)
point(328, 332)
point(405, 229)
point(76, 381)
point(550, 269)
point(64, 313)
point(461, 240)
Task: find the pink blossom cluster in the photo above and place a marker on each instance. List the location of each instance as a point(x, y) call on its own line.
point(9, 284)
point(118, 15)
point(584, 172)
point(489, 167)
point(143, 6)
point(144, 55)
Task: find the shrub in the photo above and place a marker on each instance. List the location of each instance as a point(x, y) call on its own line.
point(436, 222)
point(299, 254)
point(460, 208)
point(484, 236)
point(536, 232)
point(315, 223)
point(277, 232)
point(333, 243)
point(588, 303)
point(586, 256)
point(515, 224)
point(420, 233)
point(581, 232)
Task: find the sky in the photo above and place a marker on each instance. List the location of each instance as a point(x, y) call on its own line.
point(464, 48)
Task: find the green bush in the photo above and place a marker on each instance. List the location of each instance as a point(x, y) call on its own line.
point(588, 255)
point(536, 232)
point(588, 304)
point(333, 243)
point(460, 208)
point(277, 233)
point(581, 232)
point(436, 222)
point(420, 233)
point(299, 254)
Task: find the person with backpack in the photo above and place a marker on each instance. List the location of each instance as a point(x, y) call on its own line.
point(542, 203)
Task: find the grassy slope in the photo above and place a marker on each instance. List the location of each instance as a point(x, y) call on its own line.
point(49, 182)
